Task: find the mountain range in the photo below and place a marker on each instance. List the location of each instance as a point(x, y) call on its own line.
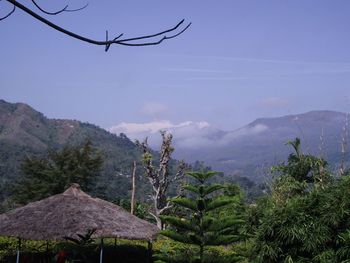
point(251, 150)
point(248, 151)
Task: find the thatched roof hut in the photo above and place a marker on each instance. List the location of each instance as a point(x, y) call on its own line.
point(70, 213)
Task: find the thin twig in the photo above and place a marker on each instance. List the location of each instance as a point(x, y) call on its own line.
point(157, 34)
point(65, 9)
point(77, 9)
point(11, 12)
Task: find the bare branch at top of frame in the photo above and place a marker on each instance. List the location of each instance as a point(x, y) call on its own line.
point(107, 43)
point(65, 9)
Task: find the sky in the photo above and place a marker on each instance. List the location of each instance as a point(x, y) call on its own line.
point(240, 60)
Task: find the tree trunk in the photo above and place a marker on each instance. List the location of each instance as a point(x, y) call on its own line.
point(159, 223)
point(133, 189)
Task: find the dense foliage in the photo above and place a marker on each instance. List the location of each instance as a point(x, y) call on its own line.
point(302, 217)
point(55, 172)
point(306, 216)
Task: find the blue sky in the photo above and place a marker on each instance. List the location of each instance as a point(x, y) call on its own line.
point(240, 60)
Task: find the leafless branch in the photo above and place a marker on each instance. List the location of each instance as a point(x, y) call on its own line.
point(10, 13)
point(107, 43)
point(77, 9)
point(180, 173)
point(160, 33)
point(155, 217)
point(168, 206)
point(65, 9)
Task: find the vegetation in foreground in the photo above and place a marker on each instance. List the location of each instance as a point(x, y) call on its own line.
point(304, 217)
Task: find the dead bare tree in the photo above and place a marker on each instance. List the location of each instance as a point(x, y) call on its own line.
point(159, 177)
point(146, 40)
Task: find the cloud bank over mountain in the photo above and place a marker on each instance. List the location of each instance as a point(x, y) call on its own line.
point(251, 149)
point(187, 135)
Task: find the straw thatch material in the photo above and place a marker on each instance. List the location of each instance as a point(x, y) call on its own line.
point(70, 213)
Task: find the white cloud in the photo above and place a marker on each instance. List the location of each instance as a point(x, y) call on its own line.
point(187, 135)
point(246, 131)
point(136, 128)
point(149, 129)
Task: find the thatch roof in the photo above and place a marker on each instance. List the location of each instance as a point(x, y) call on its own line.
point(70, 213)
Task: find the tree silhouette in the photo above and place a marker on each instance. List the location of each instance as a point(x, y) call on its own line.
point(145, 40)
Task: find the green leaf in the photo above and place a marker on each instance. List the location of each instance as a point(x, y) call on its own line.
point(192, 188)
point(176, 236)
point(181, 223)
point(185, 202)
point(218, 240)
point(224, 223)
point(212, 188)
point(202, 176)
point(220, 202)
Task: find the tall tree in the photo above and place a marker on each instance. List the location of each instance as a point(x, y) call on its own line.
point(203, 227)
point(160, 177)
point(49, 175)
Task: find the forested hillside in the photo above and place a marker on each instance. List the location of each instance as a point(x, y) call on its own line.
point(25, 132)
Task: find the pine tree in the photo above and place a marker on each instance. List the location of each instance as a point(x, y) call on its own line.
point(202, 227)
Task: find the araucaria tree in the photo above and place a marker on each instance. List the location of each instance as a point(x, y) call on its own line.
point(203, 227)
point(160, 177)
point(49, 175)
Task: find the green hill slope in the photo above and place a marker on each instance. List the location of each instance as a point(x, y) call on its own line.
point(25, 131)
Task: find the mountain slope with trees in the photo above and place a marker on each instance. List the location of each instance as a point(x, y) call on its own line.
point(25, 132)
point(251, 150)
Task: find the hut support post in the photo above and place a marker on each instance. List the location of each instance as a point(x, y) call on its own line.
point(18, 249)
point(149, 248)
point(47, 252)
point(101, 251)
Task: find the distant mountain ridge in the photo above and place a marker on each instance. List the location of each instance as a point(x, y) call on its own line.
point(261, 143)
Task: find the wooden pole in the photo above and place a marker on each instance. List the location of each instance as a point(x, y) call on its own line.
point(133, 189)
point(101, 251)
point(47, 252)
point(149, 251)
point(18, 248)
